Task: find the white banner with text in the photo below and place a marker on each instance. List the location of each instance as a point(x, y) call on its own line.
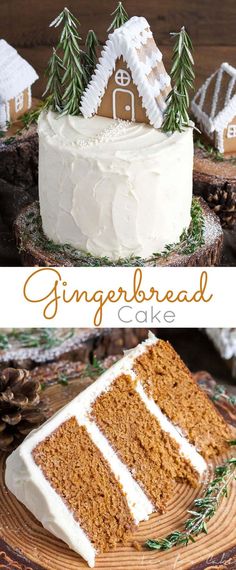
point(117, 297)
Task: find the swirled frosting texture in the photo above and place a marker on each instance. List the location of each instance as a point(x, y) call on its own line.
point(113, 188)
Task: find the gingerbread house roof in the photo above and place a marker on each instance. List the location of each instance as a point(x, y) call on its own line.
point(134, 42)
point(214, 105)
point(16, 74)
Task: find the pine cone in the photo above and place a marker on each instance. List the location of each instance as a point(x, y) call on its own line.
point(19, 406)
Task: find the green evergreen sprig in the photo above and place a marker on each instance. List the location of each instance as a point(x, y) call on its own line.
point(202, 511)
point(67, 77)
point(34, 338)
point(31, 117)
point(4, 343)
point(74, 79)
point(176, 116)
point(94, 369)
point(220, 393)
point(213, 153)
point(54, 72)
point(91, 45)
point(120, 17)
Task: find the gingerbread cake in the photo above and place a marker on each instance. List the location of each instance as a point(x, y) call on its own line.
point(112, 456)
point(111, 182)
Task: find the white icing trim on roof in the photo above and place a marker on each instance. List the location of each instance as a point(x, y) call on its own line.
point(216, 122)
point(16, 74)
point(124, 42)
point(216, 93)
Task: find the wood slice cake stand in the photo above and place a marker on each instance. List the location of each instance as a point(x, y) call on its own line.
point(26, 545)
point(215, 181)
point(71, 344)
point(36, 249)
point(18, 169)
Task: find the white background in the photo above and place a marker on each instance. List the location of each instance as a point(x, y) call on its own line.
point(15, 311)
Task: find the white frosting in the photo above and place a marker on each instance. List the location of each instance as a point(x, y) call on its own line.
point(26, 480)
point(129, 42)
point(113, 188)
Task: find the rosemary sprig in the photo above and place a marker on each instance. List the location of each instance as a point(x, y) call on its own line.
point(54, 85)
point(94, 369)
point(120, 17)
point(220, 393)
point(4, 341)
point(63, 379)
point(67, 77)
point(34, 338)
point(215, 154)
point(202, 511)
point(31, 117)
point(176, 116)
point(91, 45)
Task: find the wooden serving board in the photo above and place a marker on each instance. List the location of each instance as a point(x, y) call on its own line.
point(26, 545)
point(36, 250)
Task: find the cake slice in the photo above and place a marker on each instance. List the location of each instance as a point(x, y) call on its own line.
point(112, 456)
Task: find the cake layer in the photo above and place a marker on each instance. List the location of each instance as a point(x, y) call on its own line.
point(113, 188)
point(78, 472)
point(166, 379)
point(152, 456)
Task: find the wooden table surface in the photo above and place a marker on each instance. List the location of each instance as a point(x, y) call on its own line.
point(211, 24)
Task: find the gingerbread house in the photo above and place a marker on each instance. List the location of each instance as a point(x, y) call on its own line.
point(130, 81)
point(16, 79)
point(214, 107)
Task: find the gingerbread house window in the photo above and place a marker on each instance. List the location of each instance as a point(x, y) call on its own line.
point(19, 102)
point(122, 78)
point(231, 132)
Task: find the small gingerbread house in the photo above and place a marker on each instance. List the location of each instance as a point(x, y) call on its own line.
point(130, 81)
point(16, 78)
point(214, 107)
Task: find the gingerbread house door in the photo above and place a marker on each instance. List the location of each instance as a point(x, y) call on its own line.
point(123, 105)
point(123, 102)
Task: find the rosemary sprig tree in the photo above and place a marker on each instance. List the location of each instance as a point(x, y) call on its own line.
point(73, 79)
point(176, 116)
point(54, 84)
point(120, 17)
point(203, 509)
point(91, 45)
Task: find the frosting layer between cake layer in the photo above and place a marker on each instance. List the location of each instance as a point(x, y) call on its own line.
point(113, 188)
